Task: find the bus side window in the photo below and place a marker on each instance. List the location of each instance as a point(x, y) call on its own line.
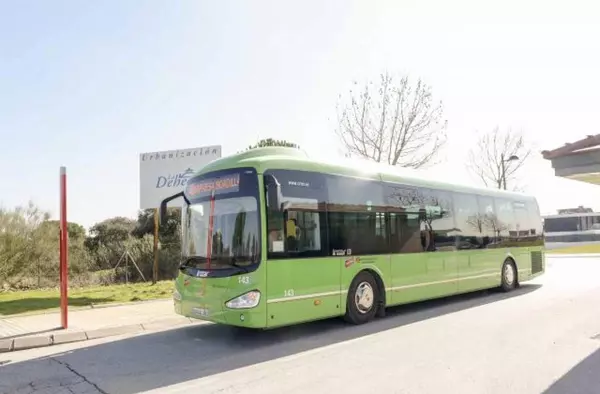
point(275, 231)
point(504, 220)
point(410, 224)
point(410, 233)
point(304, 231)
point(534, 218)
point(469, 221)
point(300, 231)
point(356, 216)
point(440, 220)
point(487, 216)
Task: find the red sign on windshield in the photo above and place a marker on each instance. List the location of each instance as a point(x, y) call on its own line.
point(228, 183)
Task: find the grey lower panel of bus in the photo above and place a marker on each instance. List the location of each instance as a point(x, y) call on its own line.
point(570, 237)
point(558, 245)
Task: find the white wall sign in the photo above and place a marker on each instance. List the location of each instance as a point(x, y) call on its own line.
point(163, 174)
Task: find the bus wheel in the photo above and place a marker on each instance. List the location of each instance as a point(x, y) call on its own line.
point(509, 275)
point(363, 299)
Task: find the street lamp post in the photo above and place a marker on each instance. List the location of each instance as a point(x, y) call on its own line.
point(503, 161)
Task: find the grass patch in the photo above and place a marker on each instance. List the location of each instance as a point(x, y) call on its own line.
point(18, 302)
point(576, 249)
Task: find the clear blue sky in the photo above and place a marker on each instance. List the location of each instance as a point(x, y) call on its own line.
point(90, 85)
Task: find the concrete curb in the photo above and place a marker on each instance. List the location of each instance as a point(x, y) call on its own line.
point(37, 341)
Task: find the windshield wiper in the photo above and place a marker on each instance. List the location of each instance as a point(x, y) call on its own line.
point(232, 261)
point(186, 263)
point(235, 264)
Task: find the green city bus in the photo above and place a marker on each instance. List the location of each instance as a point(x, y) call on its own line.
point(271, 238)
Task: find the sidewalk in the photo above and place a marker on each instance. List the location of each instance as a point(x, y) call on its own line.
point(25, 332)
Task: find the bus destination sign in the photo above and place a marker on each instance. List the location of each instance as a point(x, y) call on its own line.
point(205, 187)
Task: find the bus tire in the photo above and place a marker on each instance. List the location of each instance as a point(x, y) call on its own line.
point(363, 299)
point(508, 275)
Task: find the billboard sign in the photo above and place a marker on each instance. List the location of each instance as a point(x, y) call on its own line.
point(165, 173)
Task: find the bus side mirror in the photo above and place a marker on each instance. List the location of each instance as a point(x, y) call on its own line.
point(163, 206)
point(274, 196)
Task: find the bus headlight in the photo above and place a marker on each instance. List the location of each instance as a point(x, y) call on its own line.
point(246, 300)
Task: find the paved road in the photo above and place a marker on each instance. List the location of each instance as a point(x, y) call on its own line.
point(538, 339)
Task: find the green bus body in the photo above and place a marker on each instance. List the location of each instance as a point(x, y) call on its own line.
point(409, 236)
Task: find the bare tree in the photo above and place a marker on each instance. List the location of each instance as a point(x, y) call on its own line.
point(392, 122)
point(498, 156)
point(477, 222)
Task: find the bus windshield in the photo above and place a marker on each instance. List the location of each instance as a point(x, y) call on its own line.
point(221, 228)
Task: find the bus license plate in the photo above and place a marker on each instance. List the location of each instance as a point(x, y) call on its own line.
point(200, 311)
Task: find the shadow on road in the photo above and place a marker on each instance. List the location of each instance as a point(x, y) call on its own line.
point(41, 304)
point(26, 334)
point(161, 359)
point(582, 378)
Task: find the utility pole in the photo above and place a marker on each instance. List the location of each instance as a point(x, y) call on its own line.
point(503, 162)
point(155, 249)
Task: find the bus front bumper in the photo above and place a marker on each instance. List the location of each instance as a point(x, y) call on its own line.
point(215, 311)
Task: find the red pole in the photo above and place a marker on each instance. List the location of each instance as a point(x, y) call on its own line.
point(210, 229)
point(210, 236)
point(64, 249)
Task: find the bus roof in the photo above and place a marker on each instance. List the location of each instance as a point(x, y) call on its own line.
point(297, 159)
